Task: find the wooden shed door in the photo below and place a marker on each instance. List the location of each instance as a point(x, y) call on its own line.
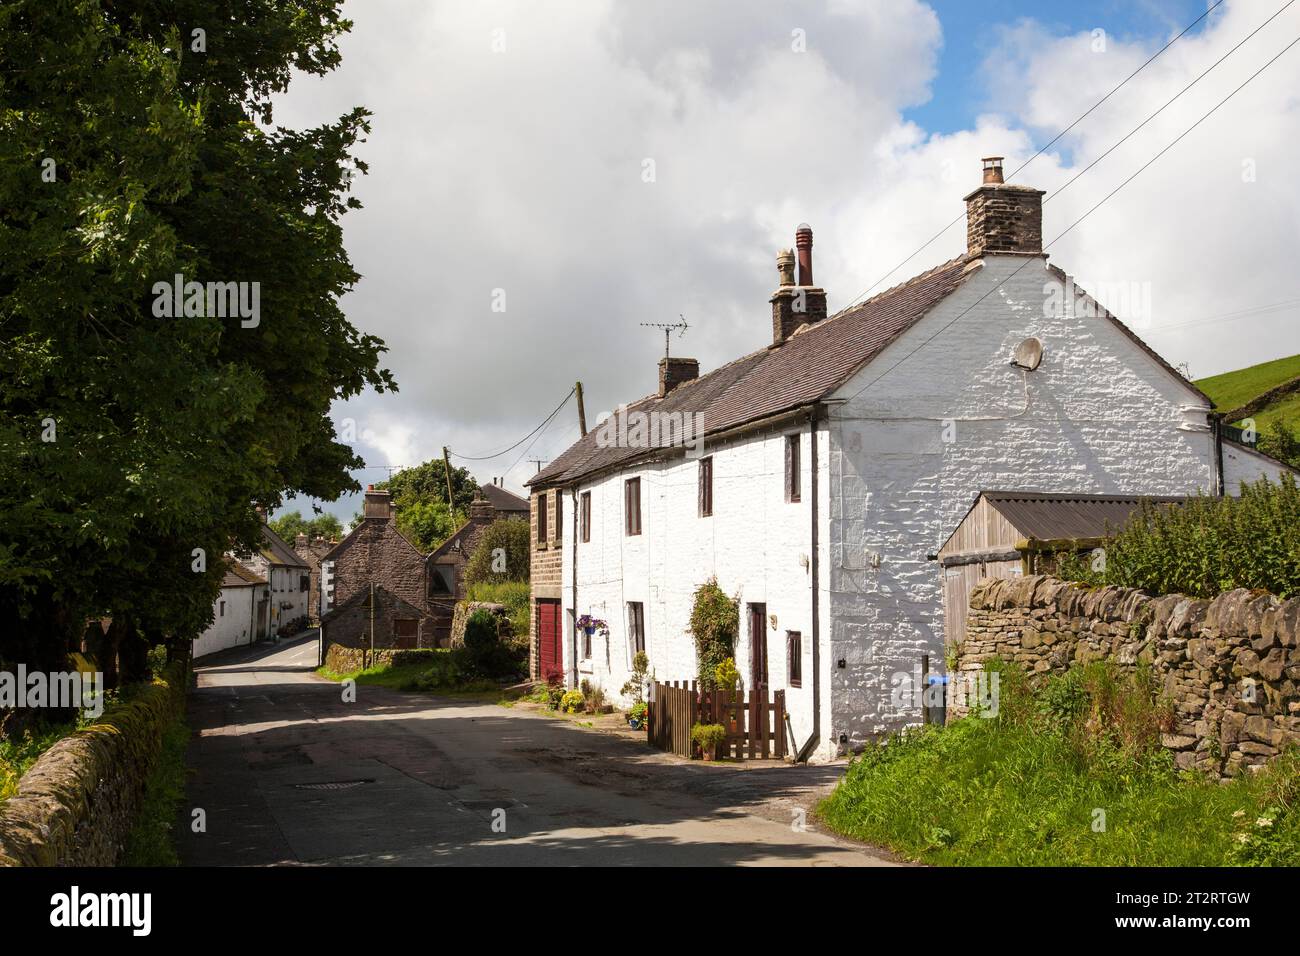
point(550, 657)
point(406, 632)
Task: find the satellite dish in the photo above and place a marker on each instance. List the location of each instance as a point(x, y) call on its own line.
point(1028, 355)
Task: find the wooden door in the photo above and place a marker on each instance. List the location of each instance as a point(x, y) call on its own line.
point(758, 647)
point(549, 653)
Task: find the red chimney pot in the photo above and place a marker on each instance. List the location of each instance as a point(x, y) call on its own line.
point(803, 243)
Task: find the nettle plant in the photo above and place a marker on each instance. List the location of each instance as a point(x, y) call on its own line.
point(715, 622)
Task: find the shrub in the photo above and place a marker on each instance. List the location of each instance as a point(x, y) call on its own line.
point(1206, 546)
point(509, 536)
point(727, 677)
point(513, 596)
point(554, 695)
point(639, 711)
point(708, 737)
point(715, 622)
point(634, 687)
point(485, 655)
point(571, 702)
point(593, 697)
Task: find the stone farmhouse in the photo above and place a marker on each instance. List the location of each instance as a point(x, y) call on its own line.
point(817, 477)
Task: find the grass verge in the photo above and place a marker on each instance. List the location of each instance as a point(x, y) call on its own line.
point(152, 841)
point(1068, 775)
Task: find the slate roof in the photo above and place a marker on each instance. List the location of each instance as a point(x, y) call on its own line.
point(277, 552)
point(503, 500)
point(238, 576)
point(803, 369)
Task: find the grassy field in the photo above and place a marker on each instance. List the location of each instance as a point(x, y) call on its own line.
point(1234, 389)
point(1056, 780)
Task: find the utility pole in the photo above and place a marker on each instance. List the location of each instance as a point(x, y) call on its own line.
point(446, 461)
point(582, 410)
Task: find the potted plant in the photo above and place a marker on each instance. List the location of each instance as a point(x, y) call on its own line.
point(637, 714)
point(592, 624)
point(708, 737)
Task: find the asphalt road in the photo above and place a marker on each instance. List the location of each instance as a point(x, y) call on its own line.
point(286, 772)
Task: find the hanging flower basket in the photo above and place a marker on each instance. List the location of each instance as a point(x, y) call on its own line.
point(592, 624)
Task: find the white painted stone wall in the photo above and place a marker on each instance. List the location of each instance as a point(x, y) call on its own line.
point(942, 415)
point(231, 627)
point(1244, 465)
point(286, 589)
point(756, 543)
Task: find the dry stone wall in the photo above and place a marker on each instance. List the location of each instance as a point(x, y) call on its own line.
point(77, 803)
point(1230, 666)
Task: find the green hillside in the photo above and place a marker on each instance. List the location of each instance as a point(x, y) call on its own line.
point(1277, 422)
point(1234, 389)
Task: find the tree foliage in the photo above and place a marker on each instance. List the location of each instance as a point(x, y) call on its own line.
point(132, 445)
point(289, 526)
point(502, 554)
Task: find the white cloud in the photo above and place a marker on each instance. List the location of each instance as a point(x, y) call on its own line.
point(522, 170)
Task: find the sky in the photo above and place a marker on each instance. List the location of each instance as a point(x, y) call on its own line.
point(545, 177)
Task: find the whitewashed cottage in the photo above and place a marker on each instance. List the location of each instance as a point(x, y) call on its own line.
point(837, 460)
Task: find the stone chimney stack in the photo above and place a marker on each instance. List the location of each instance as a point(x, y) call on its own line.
point(300, 542)
point(1002, 219)
point(673, 371)
point(795, 305)
point(378, 504)
point(480, 507)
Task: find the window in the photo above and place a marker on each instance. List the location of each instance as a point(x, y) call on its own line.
point(559, 517)
point(541, 520)
point(791, 467)
point(706, 487)
point(794, 658)
point(636, 625)
point(632, 505)
point(586, 644)
point(584, 519)
point(223, 609)
point(304, 582)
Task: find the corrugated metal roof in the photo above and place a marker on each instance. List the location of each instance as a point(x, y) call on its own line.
point(1048, 516)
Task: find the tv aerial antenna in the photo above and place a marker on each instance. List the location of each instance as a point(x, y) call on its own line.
point(668, 328)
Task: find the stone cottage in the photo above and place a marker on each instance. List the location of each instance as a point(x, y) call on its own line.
point(376, 553)
point(311, 551)
point(816, 476)
point(288, 578)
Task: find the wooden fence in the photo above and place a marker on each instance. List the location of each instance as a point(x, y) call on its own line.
point(755, 725)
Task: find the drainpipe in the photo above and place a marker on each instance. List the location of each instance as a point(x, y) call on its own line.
point(807, 748)
point(573, 584)
point(1219, 483)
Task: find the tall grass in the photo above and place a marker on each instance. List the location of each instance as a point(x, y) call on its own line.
point(1071, 774)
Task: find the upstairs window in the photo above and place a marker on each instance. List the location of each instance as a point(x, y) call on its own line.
point(541, 520)
point(706, 487)
point(792, 488)
point(584, 517)
point(559, 516)
point(632, 505)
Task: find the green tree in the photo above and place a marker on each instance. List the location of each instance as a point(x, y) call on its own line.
point(428, 523)
point(131, 443)
point(428, 482)
point(1279, 440)
point(291, 524)
point(502, 554)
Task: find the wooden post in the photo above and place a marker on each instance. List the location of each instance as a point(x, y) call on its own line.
point(582, 410)
point(446, 461)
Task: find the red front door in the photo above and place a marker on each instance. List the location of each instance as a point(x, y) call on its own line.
point(549, 654)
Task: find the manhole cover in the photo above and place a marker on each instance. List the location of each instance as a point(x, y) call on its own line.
point(333, 784)
point(504, 804)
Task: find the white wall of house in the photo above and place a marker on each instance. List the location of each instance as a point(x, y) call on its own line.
point(1244, 465)
point(756, 543)
point(289, 598)
point(942, 415)
point(232, 624)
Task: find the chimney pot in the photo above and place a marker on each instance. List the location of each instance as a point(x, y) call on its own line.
point(785, 267)
point(992, 169)
point(803, 241)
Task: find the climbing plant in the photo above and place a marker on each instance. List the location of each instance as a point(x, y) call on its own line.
point(715, 622)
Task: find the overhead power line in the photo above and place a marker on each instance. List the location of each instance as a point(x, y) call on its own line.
point(1044, 149)
point(1072, 225)
point(539, 428)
